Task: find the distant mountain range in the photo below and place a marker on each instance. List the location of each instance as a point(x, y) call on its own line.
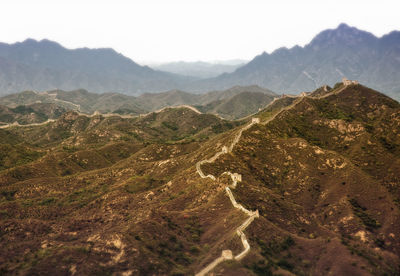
point(332, 54)
point(200, 69)
point(45, 65)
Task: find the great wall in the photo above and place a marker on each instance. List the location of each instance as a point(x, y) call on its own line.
point(227, 254)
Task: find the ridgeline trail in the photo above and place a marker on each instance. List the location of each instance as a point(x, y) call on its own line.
point(16, 124)
point(227, 254)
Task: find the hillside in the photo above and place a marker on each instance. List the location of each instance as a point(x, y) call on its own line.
point(30, 114)
point(45, 65)
point(227, 103)
point(233, 103)
point(324, 177)
point(238, 106)
point(318, 189)
point(331, 55)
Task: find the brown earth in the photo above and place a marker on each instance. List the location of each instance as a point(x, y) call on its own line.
point(113, 195)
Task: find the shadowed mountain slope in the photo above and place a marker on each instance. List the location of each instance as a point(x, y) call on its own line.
point(45, 65)
point(331, 55)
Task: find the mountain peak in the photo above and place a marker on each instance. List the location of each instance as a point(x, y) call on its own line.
point(44, 43)
point(343, 26)
point(344, 35)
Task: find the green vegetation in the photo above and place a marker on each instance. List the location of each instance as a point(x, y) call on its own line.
point(171, 126)
point(69, 149)
point(79, 198)
point(366, 219)
point(272, 252)
point(274, 247)
point(16, 155)
point(391, 147)
point(301, 128)
point(338, 85)
point(331, 112)
point(87, 197)
point(9, 195)
point(48, 201)
point(194, 228)
point(262, 268)
point(138, 184)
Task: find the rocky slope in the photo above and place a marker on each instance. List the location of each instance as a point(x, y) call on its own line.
point(112, 195)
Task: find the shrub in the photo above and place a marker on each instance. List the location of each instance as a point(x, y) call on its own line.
point(366, 219)
point(138, 184)
point(9, 195)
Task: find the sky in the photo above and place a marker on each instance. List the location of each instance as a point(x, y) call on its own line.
point(157, 31)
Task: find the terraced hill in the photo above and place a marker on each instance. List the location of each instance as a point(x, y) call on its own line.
point(122, 195)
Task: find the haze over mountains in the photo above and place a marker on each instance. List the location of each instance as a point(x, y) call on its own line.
point(332, 54)
point(200, 69)
point(46, 65)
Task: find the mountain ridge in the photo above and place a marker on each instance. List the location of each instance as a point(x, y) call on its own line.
point(329, 56)
point(222, 103)
point(46, 65)
point(332, 54)
point(126, 192)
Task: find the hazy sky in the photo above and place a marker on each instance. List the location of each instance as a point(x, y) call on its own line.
point(172, 30)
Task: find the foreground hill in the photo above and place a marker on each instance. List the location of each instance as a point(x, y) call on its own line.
point(114, 195)
point(324, 177)
point(331, 55)
point(45, 65)
point(232, 103)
